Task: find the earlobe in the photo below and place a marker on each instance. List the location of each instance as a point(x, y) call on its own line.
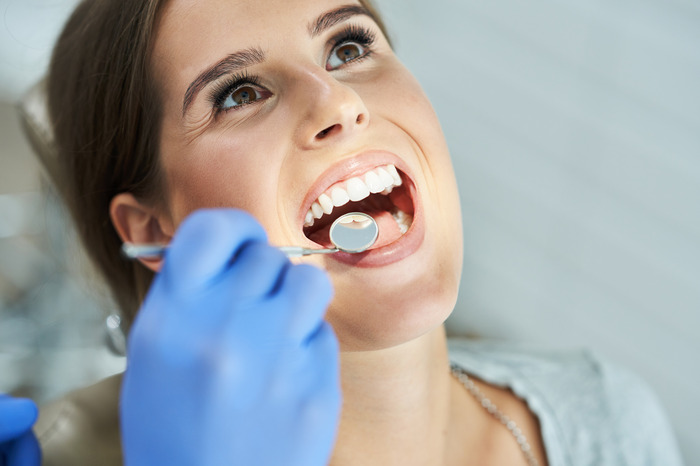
point(138, 223)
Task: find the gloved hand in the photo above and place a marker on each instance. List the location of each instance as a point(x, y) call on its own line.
point(18, 445)
point(229, 360)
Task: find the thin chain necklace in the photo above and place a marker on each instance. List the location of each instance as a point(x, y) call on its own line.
point(488, 405)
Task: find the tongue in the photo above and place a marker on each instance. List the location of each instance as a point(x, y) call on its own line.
point(388, 231)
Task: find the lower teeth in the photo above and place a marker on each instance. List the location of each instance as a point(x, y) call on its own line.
point(402, 219)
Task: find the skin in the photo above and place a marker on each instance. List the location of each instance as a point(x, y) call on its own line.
point(401, 406)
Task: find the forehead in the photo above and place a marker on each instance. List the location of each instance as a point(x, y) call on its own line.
point(187, 24)
point(193, 34)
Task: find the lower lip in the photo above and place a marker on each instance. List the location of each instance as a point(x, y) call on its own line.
point(406, 245)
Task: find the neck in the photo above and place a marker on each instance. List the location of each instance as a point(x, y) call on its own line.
point(396, 404)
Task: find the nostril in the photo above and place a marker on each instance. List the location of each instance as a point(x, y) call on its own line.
point(325, 132)
point(337, 128)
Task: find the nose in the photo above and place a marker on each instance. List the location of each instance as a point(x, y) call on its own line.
point(333, 110)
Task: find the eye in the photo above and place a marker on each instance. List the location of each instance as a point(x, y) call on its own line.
point(344, 53)
point(242, 95)
point(354, 43)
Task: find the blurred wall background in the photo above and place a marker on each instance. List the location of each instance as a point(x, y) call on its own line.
point(575, 132)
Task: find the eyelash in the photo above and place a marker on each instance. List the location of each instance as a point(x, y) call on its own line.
point(232, 82)
point(352, 33)
point(358, 34)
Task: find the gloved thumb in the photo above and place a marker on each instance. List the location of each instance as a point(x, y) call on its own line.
point(17, 415)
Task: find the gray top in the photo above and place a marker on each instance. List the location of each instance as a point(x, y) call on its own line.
point(591, 412)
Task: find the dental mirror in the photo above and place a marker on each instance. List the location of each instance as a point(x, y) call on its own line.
point(352, 233)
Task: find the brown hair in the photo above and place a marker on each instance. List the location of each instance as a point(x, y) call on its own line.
point(105, 111)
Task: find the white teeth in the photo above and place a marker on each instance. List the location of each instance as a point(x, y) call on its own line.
point(326, 203)
point(385, 177)
point(317, 210)
point(339, 196)
point(379, 180)
point(394, 174)
point(373, 182)
point(357, 189)
point(403, 220)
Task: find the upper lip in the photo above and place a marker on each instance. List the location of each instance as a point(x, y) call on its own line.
point(346, 169)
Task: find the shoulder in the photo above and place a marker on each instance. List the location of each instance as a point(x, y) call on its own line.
point(591, 411)
point(643, 428)
point(82, 428)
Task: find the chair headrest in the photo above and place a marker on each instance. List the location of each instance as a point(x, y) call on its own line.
point(34, 116)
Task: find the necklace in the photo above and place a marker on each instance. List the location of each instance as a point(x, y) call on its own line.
point(488, 405)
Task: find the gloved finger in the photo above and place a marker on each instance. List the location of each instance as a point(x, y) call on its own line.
point(232, 305)
point(323, 352)
point(323, 408)
point(258, 270)
point(16, 416)
point(24, 451)
point(205, 245)
point(309, 293)
point(255, 273)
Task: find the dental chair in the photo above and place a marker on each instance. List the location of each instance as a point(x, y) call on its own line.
point(34, 117)
point(84, 423)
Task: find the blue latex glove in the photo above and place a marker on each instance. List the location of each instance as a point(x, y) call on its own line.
point(229, 360)
point(18, 445)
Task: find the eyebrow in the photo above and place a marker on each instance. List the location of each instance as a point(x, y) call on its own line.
point(234, 62)
point(333, 17)
point(253, 56)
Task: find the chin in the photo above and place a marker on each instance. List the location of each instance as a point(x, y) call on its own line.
point(380, 308)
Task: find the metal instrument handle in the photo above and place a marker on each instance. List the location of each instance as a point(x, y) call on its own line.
point(135, 251)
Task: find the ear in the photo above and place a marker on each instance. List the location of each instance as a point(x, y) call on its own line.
point(138, 223)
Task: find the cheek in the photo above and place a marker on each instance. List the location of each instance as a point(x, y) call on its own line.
point(402, 97)
point(410, 109)
point(401, 100)
point(219, 171)
point(407, 106)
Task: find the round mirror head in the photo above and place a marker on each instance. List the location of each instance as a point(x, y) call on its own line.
point(354, 232)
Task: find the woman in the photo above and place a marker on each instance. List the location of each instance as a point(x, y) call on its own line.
point(174, 118)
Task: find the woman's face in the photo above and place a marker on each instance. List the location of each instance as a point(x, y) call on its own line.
point(285, 107)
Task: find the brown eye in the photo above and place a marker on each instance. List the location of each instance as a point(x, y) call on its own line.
point(345, 53)
point(241, 96)
point(348, 52)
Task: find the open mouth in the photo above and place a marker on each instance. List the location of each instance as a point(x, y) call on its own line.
point(381, 193)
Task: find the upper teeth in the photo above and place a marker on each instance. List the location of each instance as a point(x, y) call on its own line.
point(379, 180)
